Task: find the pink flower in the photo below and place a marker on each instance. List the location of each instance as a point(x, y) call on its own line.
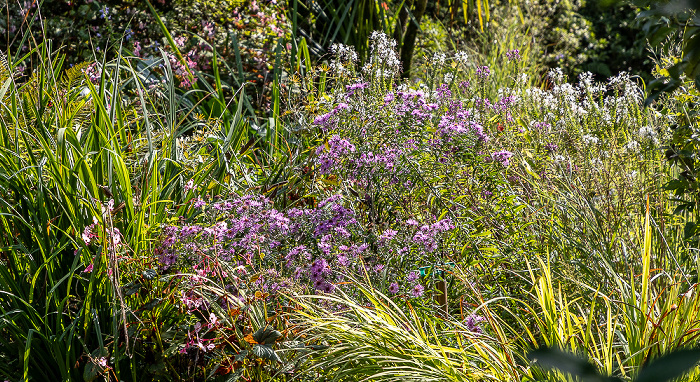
point(88, 269)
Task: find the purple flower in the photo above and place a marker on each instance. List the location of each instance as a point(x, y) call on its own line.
point(443, 92)
point(513, 55)
point(394, 288)
point(343, 260)
point(388, 98)
point(413, 276)
point(503, 157)
point(387, 235)
point(328, 288)
point(473, 323)
point(354, 87)
point(338, 148)
point(417, 290)
point(483, 72)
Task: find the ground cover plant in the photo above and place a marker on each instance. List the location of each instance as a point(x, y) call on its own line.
point(341, 218)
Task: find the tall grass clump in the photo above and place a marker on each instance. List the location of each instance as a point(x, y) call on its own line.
point(94, 158)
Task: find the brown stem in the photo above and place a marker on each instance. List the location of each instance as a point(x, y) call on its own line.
point(409, 40)
point(401, 23)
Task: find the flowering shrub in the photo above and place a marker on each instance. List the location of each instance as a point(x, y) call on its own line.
point(88, 29)
point(310, 249)
point(402, 177)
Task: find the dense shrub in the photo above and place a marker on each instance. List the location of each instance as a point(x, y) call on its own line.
point(577, 36)
point(245, 35)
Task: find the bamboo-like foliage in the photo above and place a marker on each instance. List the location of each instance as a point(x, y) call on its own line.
point(381, 341)
point(624, 327)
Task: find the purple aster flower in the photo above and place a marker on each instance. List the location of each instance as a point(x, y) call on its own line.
point(417, 290)
point(503, 157)
point(388, 98)
point(473, 323)
point(394, 288)
point(387, 235)
point(328, 288)
point(343, 261)
point(413, 276)
point(354, 87)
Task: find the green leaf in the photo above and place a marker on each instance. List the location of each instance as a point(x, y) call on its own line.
point(689, 230)
point(151, 304)
point(149, 274)
point(132, 288)
point(240, 357)
point(266, 335)
point(670, 366)
point(266, 352)
point(552, 358)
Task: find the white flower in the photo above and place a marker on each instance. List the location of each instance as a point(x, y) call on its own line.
point(590, 140)
point(632, 146)
point(462, 57)
point(557, 75)
point(596, 163)
point(439, 59)
point(345, 57)
point(648, 133)
point(344, 53)
point(384, 58)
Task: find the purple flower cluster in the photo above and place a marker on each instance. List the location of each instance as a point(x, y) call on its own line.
point(328, 121)
point(318, 274)
point(541, 125)
point(443, 92)
point(356, 87)
point(413, 103)
point(503, 157)
point(473, 323)
point(513, 55)
point(369, 162)
point(338, 149)
point(302, 246)
point(459, 123)
point(483, 72)
point(426, 236)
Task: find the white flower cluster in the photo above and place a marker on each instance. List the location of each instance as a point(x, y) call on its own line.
point(384, 61)
point(462, 57)
point(589, 87)
point(439, 59)
point(632, 146)
point(556, 75)
point(344, 57)
point(647, 133)
point(590, 140)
